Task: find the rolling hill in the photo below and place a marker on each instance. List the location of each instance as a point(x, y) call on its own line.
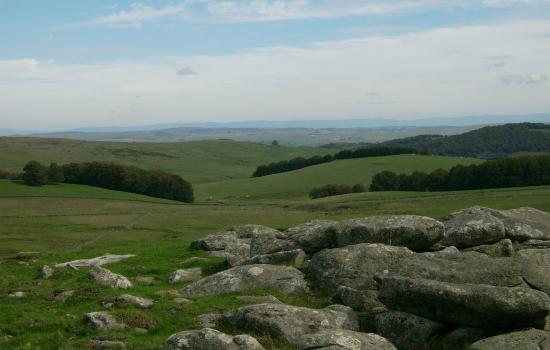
point(489, 142)
point(198, 161)
point(297, 184)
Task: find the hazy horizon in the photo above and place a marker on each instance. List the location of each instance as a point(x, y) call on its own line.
point(67, 65)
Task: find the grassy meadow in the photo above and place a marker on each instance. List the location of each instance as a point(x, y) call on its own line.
point(65, 222)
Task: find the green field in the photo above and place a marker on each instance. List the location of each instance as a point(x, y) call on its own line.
point(200, 161)
point(297, 184)
point(65, 222)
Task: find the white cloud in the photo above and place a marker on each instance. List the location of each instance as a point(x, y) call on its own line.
point(440, 72)
point(533, 78)
point(275, 10)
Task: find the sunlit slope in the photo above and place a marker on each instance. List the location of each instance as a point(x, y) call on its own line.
point(198, 161)
point(297, 184)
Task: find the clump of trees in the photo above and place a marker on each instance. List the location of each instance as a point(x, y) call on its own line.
point(155, 183)
point(301, 162)
point(335, 190)
point(508, 172)
point(8, 175)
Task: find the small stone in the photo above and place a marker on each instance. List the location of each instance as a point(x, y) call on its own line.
point(63, 296)
point(145, 280)
point(186, 275)
point(103, 320)
point(169, 292)
point(110, 279)
point(46, 272)
point(182, 301)
point(193, 259)
point(141, 302)
point(17, 295)
point(106, 344)
point(140, 330)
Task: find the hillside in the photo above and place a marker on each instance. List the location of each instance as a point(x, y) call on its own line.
point(297, 184)
point(488, 142)
point(198, 161)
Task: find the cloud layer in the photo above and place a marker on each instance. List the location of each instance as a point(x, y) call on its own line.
point(440, 72)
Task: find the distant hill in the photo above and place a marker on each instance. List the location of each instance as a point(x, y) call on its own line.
point(198, 161)
point(488, 142)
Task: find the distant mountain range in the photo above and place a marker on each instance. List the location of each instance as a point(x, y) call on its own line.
point(306, 124)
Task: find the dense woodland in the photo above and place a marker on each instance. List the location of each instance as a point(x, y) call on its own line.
point(490, 142)
point(155, 183)
point(508, 172)
point(299, 163)
point(335, 190)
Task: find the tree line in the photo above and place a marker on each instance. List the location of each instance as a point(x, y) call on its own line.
point(114, 176)
point(301, 162)
point(335, 190)
point(507, 172)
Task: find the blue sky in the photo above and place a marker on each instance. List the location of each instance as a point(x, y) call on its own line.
point(66, 63)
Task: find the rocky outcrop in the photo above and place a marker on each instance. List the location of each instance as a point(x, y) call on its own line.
point(132, 299)
point(110, 279)
point(532, 339)
point(314, 236)
point(103, 320)
point(249, 277)
point(526, 223)
point(209, 339)
point(404, 329)
point(466, 304)
point(355, 267)
point(365, 300)
point(185, 275)
point(415, 232)
point(536, 268)
point(289, 323)
point(296, 258)
point(472, 227)
point(334, 339)
point(503, 248)
point(98, 261)
point(215, 241)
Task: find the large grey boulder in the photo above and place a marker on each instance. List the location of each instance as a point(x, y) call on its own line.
point(251, 230)
point(462, 336)
point(473, 305)
point(364, 300)
point(355, 267)
point(503, 248)
point(248, 277)
point(215, 241)
point(531, 339)
point(103, 320)
point(295, 258)
point(97, 344)
point(267, 241)
point(210, 339)
point(404, 329)
point(336, 339)
point(237, 252)
point(473, 227)
point(110, 279)
point(415, 232)
point(526, 223)
point(313, 236)
point(535, 265)
point(289, 323)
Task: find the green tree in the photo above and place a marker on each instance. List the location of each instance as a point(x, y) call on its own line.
point(35, 174)
point(275, 143)
point(55, 173)
point(358, 188)
point(385, 181)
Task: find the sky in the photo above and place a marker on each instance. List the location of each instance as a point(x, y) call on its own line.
point(67, 64)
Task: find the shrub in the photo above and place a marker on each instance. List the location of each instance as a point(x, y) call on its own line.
point(35, 174)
